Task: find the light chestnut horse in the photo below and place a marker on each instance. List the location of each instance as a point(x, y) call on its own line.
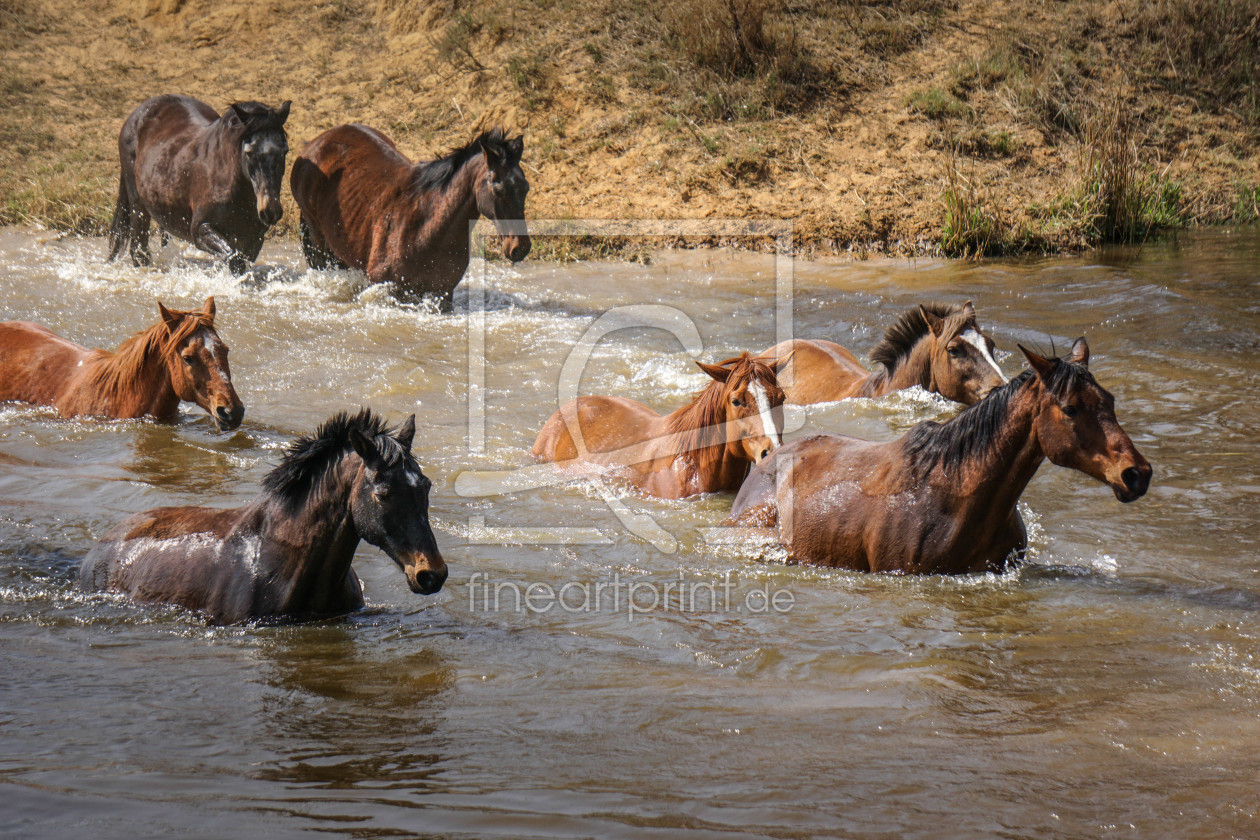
point(936, 346)
point(706, 446)
point(366, 206)
point(941, 499)
point(286, 554)
point(181, 357)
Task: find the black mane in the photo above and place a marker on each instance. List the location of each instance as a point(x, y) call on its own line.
point(311, 458)
point(259, 117)
point(910, 326)
point(979, 426)
point(437, 174)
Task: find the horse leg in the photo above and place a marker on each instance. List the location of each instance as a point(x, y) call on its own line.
point(119, 226)
point(211, 241)
point(139, 236)
point(318, 255)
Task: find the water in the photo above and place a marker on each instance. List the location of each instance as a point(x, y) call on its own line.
point(1111, 687)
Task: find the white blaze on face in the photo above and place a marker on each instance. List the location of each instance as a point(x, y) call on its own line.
point(209, 339)
point(977, 341)
point(763, 406)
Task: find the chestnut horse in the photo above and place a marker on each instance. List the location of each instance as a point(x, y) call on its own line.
point(208, 179)
point(288, 552)
point(181, 357)
point(704, 447)
point(941, 499)
point(936, 346)
point(366, 206)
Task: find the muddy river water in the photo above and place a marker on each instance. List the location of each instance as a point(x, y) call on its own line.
point(1108, 688)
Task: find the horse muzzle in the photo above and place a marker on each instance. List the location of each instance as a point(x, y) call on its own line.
point(1134, 482)
point(270, 212)
point(227, 417)
point(426, 576)
point(516, 248)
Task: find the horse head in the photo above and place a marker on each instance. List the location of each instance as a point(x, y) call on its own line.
point(263, 147)
point(752, 403)
point(390, 506)
point(1076, 424)
point(501, 193)
point(962, 367)
point(197, 362)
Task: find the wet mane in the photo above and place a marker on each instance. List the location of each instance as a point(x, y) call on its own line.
point(899, 339)
point(698, 426)
point(260, 117)
point(437, 174)
point(979, 427)
point(120, 375)
point(311, 459)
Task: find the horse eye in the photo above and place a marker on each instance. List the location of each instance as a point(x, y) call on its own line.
point(1069, 411)
point(188, 358)
point(954, 350)
point(737, 402)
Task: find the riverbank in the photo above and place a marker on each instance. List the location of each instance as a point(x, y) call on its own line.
point(933, 126)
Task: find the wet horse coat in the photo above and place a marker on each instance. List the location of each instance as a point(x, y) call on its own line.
point(181, 357)
point(706, 446)
point(366, 206)
point(935, 346)
point(288, 552)
point(209, 179)
point(941, 499)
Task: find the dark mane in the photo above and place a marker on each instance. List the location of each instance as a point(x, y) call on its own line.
point(437, 174)
point(260, 117)
point(980, 426)
point(910, 326)
point(310, 459)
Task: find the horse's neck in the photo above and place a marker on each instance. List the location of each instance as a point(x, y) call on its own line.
point(451, 210)
point(316, 545)
point(915, 368)
point(147, 391)
point(707, 456)
point(991, 482)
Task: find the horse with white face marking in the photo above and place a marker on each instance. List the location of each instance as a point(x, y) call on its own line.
point(936, 346)
point(706, 446)
point(288, 552)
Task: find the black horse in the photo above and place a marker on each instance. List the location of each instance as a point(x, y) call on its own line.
point(208, 179)
point(287, 553)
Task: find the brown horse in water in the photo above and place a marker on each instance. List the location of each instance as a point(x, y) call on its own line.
point(936, 346)
point(208, 179)
point(288, 552)
point(704, 447)
point(941, 499)
point(179, 358)
point(366, 206)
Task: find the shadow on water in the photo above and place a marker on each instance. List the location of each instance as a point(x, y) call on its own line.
point(350, 712)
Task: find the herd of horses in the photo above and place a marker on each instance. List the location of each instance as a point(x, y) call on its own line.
point(939, 500)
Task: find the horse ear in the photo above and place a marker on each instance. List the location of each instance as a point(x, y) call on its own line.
point(282, 113)
point(721, 374)
point(1080, 352)
point(969, 311)
point(1040, 364)
point(207, 311)
point(517, 146)
point(780, 363)
point(934, 323)
point(172, 319)
point(239, 112)
point(365, 447)
point(494, 156)
point(407, 432)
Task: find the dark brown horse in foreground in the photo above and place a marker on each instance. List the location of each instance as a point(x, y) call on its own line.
point(936, 346)
point(366, 206)
point(208, 179)
point(704, 447)
point(288, 552)
point(179, 358)
point(941, 499)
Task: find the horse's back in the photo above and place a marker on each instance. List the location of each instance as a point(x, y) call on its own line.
point(819, 371)
point(165, 117)
point(35, 362)
point(605, 424)
point(350, 149)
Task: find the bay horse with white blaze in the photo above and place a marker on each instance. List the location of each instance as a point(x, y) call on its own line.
point(706, 446)
point(287, 553)
point(209, 179)
point(179, 358)
point(936, 346)
point(941, 499)
point(366, 206)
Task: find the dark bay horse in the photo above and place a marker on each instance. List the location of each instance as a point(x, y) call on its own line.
point(212, 180)
point(704, 447)
point(181, 357)
point(936, 346)
point(366, 206)
point(941, 499)
point(288, 552)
